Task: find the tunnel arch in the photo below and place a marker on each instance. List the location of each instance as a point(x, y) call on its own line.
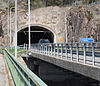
point(37, 33)
point(38, 25)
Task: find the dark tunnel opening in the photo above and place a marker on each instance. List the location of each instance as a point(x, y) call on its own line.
point(37, 33)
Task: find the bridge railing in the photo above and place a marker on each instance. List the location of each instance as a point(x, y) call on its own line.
point(79, 52)
point(22, 76)
point(24, 46)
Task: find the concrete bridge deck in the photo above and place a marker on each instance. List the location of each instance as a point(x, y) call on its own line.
point(79, 67)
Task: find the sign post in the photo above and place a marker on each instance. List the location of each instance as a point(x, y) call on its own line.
point(15, 28)
point(29, 23)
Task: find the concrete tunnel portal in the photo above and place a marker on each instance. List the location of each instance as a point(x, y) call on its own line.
point(37, 33)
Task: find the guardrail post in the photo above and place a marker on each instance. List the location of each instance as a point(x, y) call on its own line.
point(54, 49)
point(84, 47)
point(66, 49)
point(46, 46)
point(71, 51)
point(87, 46)
point(24, 45)
point(61, 50)
point(39, 48)
point(93, 54)
point(77, 45)
point(57, 49)
point(42, 48)
point(51, 49)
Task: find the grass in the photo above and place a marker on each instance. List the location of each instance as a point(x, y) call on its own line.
point(19, 51)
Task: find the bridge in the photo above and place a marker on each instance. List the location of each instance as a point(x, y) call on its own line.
point(82, 58)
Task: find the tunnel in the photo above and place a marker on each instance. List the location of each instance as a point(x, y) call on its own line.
point(37, 33)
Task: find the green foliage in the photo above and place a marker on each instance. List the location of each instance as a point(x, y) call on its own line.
point(2, 48)
point(59, 2)
point(88, 1)
point(90, 16)
point(36, 4)
point(19, 51)
point(42, 3)
point(55, 3)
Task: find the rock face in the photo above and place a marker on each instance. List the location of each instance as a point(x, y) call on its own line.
point(51, 18)
point(3, 3)
point(79, 22)
point(82, 23)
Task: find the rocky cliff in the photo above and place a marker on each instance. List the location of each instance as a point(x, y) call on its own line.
point(81, 22)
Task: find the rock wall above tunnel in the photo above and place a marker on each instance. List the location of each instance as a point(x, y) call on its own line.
point(51, 18)
point(80, 22)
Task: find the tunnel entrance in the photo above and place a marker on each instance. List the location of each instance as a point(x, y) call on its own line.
point(37, 33)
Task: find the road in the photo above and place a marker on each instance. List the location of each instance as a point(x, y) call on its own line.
point(4, 79)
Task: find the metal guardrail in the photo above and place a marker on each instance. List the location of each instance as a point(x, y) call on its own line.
point(73, 51)
point(25, 46)
point(22, 76)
